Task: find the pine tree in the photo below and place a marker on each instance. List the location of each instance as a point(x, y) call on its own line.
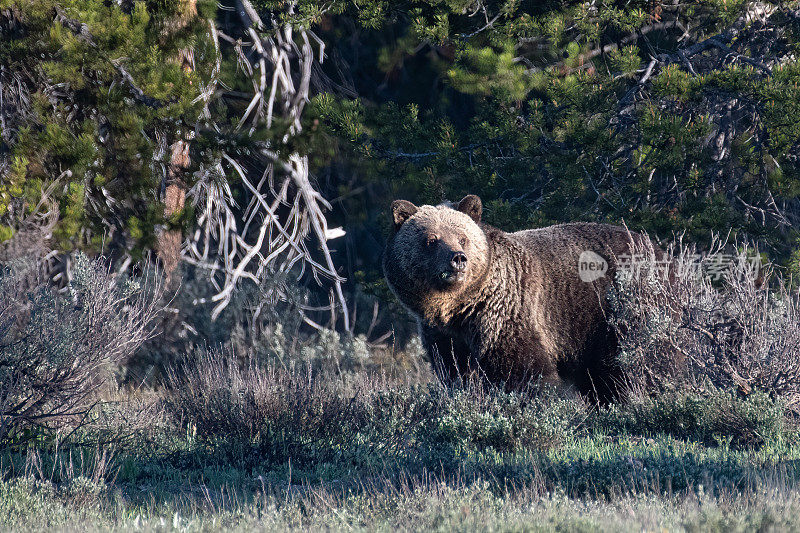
point(667, 116)
point(92, 96)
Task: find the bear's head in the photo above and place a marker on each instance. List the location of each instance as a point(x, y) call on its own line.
point(435, 250)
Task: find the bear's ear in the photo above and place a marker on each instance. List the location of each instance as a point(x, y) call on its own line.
point(472, 206)
point(402, 210)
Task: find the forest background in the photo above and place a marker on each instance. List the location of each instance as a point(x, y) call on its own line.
point(133, 127)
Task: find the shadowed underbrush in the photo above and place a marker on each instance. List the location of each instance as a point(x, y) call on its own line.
point(718, 418)
point(321, 429)
point(249, 413)
point(255, 413)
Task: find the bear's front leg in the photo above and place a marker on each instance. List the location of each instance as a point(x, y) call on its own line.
point(449, 355)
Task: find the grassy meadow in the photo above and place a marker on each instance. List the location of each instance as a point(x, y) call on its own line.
point(196, 333)
point(410, 456)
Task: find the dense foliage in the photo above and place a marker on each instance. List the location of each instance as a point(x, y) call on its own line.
point(93, 96)
point(667, 116)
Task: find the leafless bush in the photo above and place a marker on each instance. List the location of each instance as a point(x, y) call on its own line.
point(131, 418)
point(712, 322)
point(58, 351)
point(273, 411)
point(33, 226)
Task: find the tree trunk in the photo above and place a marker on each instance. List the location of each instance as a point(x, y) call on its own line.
point(170, 240)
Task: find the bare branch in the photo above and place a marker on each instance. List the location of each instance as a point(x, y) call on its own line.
point(267, 245)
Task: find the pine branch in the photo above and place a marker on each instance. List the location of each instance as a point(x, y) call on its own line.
point(82, 32)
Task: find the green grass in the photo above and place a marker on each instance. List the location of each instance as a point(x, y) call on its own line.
point(467, 460)
point(454, 505)
point(329, 433)
point(742, 497)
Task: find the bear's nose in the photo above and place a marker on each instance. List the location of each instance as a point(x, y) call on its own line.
point(459, 261)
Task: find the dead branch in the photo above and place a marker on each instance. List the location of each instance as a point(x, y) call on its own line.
point(266, 243)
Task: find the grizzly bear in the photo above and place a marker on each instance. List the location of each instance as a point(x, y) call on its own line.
point(510, 308)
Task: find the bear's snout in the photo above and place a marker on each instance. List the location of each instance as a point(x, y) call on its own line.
point(459, 261)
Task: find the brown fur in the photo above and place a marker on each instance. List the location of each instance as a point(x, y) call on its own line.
point(521, 312)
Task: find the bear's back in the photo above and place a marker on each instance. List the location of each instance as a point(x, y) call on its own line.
point(568, 241)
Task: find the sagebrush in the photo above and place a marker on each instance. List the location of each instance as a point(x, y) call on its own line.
point(59, 350)
point(719, 321)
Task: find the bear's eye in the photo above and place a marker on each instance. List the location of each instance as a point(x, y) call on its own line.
point(462, 241)
point(432, 240)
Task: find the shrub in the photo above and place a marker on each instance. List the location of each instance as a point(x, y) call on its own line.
point(58, 351)
point(273, 332)
point(481, 418)
point(688, 331)
point(254, 413)
point(244, 408)
point(716, 418)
